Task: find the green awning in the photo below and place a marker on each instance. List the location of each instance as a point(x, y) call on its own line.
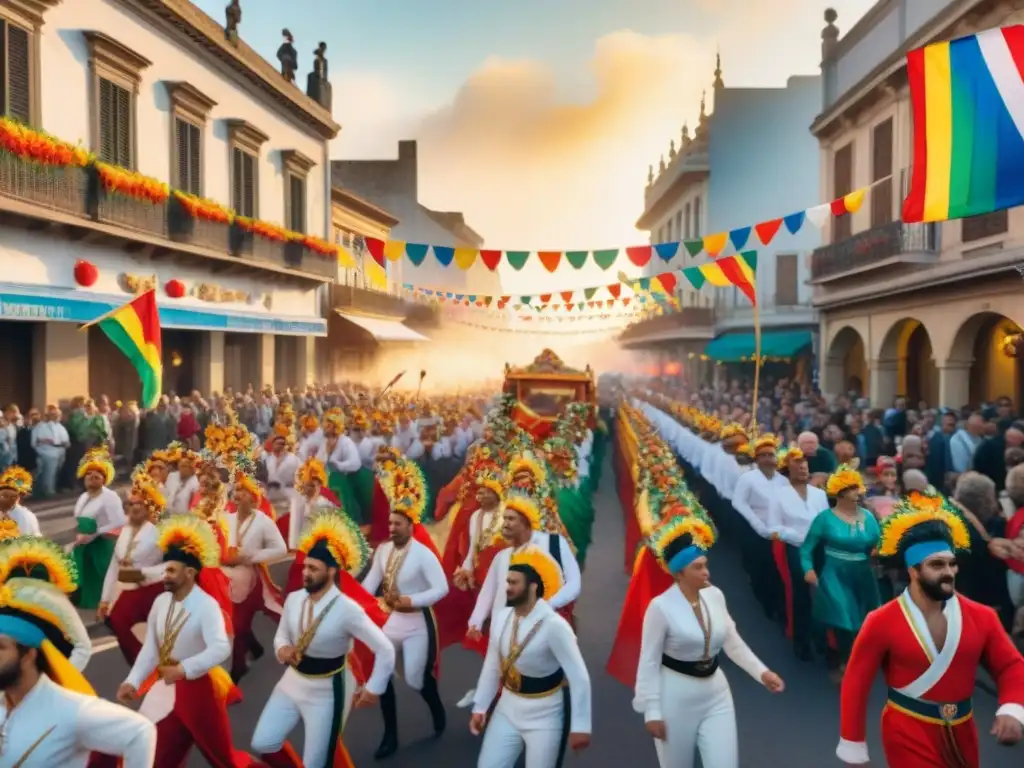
point(738, 347)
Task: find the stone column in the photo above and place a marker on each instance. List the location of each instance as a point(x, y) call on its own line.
point(265, 352)
point(210, 363)
point(883, 375)
point(305, 360)
point(954, 383)
point(60, 363)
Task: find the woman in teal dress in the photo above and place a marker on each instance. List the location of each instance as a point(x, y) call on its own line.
point(845, 588)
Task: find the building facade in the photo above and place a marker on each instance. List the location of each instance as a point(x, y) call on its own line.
point(207, 180)
point(919, 310)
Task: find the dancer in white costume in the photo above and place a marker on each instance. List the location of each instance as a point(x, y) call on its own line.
point(680, 690)
point(534, 688)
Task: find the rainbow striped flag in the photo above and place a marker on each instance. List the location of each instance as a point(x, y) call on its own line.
point(967, 98)
point(135, 331)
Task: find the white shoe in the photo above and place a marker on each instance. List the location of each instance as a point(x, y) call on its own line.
point(467, 701)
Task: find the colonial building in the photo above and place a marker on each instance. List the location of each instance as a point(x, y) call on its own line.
point(907, 309)
point(200, 171)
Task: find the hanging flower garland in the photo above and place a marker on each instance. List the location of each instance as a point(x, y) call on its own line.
point(132, 184)
point(264, 229)
point(38, 147)
point(201, 209)
point(317, 245)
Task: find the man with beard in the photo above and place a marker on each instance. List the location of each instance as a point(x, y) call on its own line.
point(186, 640)
point(50, 714)
point(313, 639)
point(534, 684)
point(409, 578)
point(929, 642)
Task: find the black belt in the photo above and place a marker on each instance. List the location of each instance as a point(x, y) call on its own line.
point(539, 686)
point(930, 711)
point(701, 668)
point(313, 666)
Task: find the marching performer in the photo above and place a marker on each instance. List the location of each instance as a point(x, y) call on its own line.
point(253, 542)
point(680, 690)
point(98, 512)
point(15, 519)
point(928, 643)
point(182, 484)
point(485, 537)
point(282, 465)
point(34, 557)
point(534, 685)
point(313, 640)
point(311, 437)
point(186, 639)
point(49, 714)
point(340, 456)
point(134, 577)
point(410, 580)
point(311, 498)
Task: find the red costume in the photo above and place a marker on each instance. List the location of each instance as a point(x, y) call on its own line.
point(927, 721)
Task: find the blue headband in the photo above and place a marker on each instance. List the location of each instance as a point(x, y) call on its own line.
point(918, 553)
point(684, 557)
point(21, 631)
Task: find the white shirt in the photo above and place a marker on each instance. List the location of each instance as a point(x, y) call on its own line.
point(105, 508)
point(368, 449)
point(671, 628)
point(301, 510)
point(791, 515)
point(440, 450)
point(179, 493)
point(480, 522)
point(344, 457)
point(259, 539)
point(310, 444)
point(281, 469)
point(491, 598)
point(346, 622)
point(140, 545)
point(420, 577)
point(80, 725)
point(553, 647)
point(404, 438)
point(753, 496)
point(27, 522)
point(56, 432)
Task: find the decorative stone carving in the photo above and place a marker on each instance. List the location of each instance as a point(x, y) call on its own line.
point(137, 284)
point(650, 175)
point(830, 34)
point(232, 20)
point(318, 85)
point(672, 149)
point(217, 295)
point(288, 57)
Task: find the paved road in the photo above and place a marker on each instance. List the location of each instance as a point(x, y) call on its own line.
point(797, 729)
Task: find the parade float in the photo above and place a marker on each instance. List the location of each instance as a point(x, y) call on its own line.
point(544, 388)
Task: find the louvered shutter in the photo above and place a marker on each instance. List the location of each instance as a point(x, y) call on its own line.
point(195, 162)
point(124, 127)
point(17, 70)
point(249, 184)
point(237, 184)
point(181, 149)
point(187, 138)
point(298, 204)
point(107, 119)
point(115, 106)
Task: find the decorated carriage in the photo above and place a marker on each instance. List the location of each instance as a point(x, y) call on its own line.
point(544, 388)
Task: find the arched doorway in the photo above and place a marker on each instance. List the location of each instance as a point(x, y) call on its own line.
point(907, 342)
point(848, 355)
point(993, 374)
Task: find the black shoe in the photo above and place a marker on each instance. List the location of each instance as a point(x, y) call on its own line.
point(388, 747)
point(433, 699)
point(389, 709)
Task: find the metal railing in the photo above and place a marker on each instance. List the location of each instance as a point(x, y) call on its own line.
point(366, 300)
point(701, 317)
point(872, 247)
point(78, 192)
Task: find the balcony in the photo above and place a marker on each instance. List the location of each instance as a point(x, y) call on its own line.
point(74, 198)
point(689, 324)
point(875, 248)
point(351, 294)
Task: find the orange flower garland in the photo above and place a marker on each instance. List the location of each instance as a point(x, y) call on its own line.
point(204, 210)
point(131, 184)
point(318, 246)
point(37, 147)
point(265, 229)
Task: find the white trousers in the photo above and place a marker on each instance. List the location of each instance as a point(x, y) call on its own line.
point(408, 634)
point(297, 698)
point(503, 744)
point(699, 715)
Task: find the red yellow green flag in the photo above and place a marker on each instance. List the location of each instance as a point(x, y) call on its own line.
point(135, 331)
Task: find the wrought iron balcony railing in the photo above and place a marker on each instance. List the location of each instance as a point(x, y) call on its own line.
point(872, 247)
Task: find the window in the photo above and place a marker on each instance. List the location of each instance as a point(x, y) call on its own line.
point(842, 184)
point(245, 141)
point(116, 73)
point(787, 290)
point(686, 218)
point(19, 60)
point(696, 219)
point(296, 168)
point(987, 225)
point(190, 109)
point(881, 168)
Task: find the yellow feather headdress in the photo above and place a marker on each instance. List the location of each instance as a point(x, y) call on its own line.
point(38, 558)
point(406, 489)
point(699, 528)
point(334, 420)
point(527, 463)
point(732, 430)
point(246, 482)
point(527, 507)
point(766, 442)
point(915, 509)
point(191, 534)
point(487, 478)
point(283, 431)
point(342, 537)
point(97, 460)
point(746, 450)
point(310, 422)
point(843, 478)
point(545, 566)
point(17, 479)
point(311, 471)
point(786, 455)
point(149, 494)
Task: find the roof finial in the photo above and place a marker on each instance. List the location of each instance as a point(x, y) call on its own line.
point(703, 106)
point(672, 149)
point(661, 164)
point(650, 175)
point(719, 83)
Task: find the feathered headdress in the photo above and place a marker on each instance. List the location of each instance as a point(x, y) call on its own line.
point(37, 557)
point(406, 490)
point(192, 457)
point(97, 460)
point(311, 471)
point(17, 479)
point(526, 463)
point(174, 451)
point(283, 431)
point(230, 440)
point(526, 506)
point(920, 519)
point(309, 422)
point(766, 443)
point(246, 481)
point(733, 430)
point(334, 420)
point(788, 454)
point(491, 480)
point(334, 538)
point(541, 563)
point(359, 420)
point(148, 493)
point(844, 478)
point(188, 539)
point(701, 535)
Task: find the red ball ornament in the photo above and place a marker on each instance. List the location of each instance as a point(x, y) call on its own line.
point(175, 289)
point(86, 273)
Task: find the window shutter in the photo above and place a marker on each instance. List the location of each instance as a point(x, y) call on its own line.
point(187, 139)
point(786, 282)
point(195, 159)
point(236, 181)
point(107, 117)
point(297, 206)
point(115, 114)
point(18, 80)
point(249, 185)
point(124, 127)
point(181, 146)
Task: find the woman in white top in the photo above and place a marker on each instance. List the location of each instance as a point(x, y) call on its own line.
point(680, 689)
point(99, 515)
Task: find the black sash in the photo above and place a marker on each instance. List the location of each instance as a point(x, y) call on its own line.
point(540, 686)
point(312, 666)
point(555, 548)
point(702, 668)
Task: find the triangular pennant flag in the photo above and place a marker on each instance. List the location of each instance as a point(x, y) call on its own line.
point(588, 293)
point(819, 214)
point(517, 307)
point(615, 290)
point(488, 300)
point(694, 247)
point(545, 298)
point(550, 259)
point(625, 301)
point(644, 283)
point(394, 250)
point(526, 300)
point(465, 257)
point(568, 307)
point(505, 300)
point(576, 258)
point(750, 257)
point(793, 222)
point(715, 244)
point(517, 259)
point(444, 254)
point(472, 298)
point(766, 230)
point(739, 237)
point(566, 295)
point(376, 249)
point(668, 281)
point(695, 277)
point(666, 251)
point(639, 254)
point(491, 259)
point(606, 258)
point(416, 253)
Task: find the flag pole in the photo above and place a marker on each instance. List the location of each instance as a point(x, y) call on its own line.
point(113, 312)
point(757, 358)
